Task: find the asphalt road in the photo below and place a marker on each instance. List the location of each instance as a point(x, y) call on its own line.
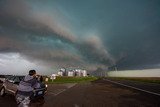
point(152, 87)
point(99, 93)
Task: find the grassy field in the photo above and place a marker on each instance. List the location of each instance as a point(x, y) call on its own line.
point(139, 79)
point(72, 79)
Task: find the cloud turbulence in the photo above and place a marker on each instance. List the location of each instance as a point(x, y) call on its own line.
point(87, 33)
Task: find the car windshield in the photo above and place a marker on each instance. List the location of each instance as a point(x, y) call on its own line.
point(11, 78)
point(16, 79)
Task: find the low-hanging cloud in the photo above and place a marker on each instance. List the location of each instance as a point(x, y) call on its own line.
point(20, 15)
point(95, 35)
point(27, 32)
point(93, 49)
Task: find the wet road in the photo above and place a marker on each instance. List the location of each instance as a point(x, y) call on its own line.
point(99, 93)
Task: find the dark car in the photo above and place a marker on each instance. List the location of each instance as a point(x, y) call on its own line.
point(10, 86)
point(2, 78)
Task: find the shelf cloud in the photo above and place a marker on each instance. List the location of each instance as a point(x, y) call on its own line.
point(87, 34)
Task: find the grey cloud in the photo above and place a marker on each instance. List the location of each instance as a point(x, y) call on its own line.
point(25, 28)
point(95, 52)
point(20, 16)
point(126, 36)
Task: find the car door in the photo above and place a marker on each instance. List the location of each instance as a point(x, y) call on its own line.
point(15, 84)
point(9, 83)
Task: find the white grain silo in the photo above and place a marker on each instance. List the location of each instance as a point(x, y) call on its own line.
point(84, 73)
point(70, 73)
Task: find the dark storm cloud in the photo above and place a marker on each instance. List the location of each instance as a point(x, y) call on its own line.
point(22, 30)
point(19, 17)
point(41, 36)
point(84, 33)
point(93, 49)
point(134, 36)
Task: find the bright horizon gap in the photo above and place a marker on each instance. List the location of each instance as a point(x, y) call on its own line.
point(14, 59)
point(135, 73)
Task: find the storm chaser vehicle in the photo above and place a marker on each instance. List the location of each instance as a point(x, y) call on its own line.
point(11, 83)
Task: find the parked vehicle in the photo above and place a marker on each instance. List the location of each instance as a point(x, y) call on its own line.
point(10, 86)
point(2, 78)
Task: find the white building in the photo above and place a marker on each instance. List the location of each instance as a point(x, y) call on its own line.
point(60, 73)
point(72, 72)
point(53, 76)
point(84, 73)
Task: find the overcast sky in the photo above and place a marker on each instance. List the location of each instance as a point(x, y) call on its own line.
point(49, 34)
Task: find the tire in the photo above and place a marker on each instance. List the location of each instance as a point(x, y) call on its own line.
point(2, 92)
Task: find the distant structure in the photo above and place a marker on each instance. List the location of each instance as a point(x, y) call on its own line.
point(62, 72)
point(71, 72)
point(53, 77)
